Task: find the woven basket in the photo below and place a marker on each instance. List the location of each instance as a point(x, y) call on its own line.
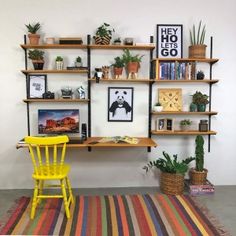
point(198, 177)
point(102, 40)
point(172, 184)
point(197, 51)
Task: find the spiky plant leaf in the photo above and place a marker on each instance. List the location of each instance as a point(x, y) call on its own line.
point(198, 32)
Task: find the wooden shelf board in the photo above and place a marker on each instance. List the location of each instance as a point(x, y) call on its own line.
point(55, 100)
point(54, 46)
point(184, 113)
point(207, 60)
point(136, 47)
point(143, 142)
point(54, 71)
point(179, 132)
point(213, 81)
point(122, 80)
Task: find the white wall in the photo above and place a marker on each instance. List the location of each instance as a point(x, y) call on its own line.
point(114, 167)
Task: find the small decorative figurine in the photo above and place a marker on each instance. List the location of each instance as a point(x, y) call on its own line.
point(105, 72)
point(81, 92)
point(98, 74)
point(66, 92)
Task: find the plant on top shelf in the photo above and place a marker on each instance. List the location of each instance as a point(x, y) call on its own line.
point(33, 36)
point(157, 107)
point(185, 124)
point(198, 175)
point(172, 172)
point(197, 38)
point(37, 57)
point(103, 34)
point(117, 41)
point(132, 63)
point(59, 63)
point(118, 67)
point(78, 61)
point(201, 100)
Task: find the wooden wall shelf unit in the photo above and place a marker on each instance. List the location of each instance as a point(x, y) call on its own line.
point(54, 46)
point(185, 113)
point(123, 80)
point(54, 71)
point(180, 132)
point(207, 81)
point(120, 47)
point(56, 100)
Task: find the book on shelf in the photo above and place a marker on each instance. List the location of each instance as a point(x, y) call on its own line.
point(207, 188)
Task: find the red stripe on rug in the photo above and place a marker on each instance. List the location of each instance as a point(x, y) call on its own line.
point(123, 216)
point(99, 217)
point(80, 217)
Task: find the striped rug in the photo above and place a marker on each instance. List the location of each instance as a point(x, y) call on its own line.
point(124, 215)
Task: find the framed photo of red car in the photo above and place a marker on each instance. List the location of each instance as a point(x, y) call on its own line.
point(120, 104)
point(169, 41)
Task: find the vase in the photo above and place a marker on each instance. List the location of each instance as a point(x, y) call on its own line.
point(193, 107)
point(59, 65)
point(197, 51)
point(201, 107)
point(157, 108)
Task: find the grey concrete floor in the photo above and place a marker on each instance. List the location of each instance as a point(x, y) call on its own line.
point(222, 204)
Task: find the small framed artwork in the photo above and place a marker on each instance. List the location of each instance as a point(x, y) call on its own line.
point(169, 43)
point(36, 86)
point(120, 104)
point(170, 99)
point(165, 124)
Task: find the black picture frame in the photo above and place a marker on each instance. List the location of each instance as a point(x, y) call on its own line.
point(169, 41)
point(120, 104)
point(36, 86)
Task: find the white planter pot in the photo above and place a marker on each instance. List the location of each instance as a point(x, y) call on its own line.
point(157, 108)
point(59, 65)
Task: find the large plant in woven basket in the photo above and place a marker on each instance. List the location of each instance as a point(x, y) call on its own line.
point(172, 173)
point(198, 175)
point(103, 34)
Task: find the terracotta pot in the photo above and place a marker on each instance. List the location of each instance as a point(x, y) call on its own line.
point(198, 177)
point(38, 64)
point(132, 67)
point(197, 51)
point(172, 184)
point(118, 70)
point(34, 39)
point(102, 40)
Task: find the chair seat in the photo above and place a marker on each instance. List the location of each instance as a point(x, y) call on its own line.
point(53, 172)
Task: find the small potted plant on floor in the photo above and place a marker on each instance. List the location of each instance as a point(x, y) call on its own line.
point(172, 173)
point(37, 57)
point(132, 63)
point(185, 124)
point(118, 66)
point(157, 107)
point(117, 41)
point(33, 36)
point(201, 100)
point(197, 37)
point(103, 34)
point(198, 175)
point(59, 63)
point(78, 62)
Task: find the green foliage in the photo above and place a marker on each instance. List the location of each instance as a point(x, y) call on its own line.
point(169, 165)
point(128, 57)
point(158, 104)
point(199, 36)
point(199, 153)
point(199, 98)
point(185, 122)
point(33, 28)
point(59, 58)
point(36, 54)
point(78, 59)
point(104, 30)
point(119, 63)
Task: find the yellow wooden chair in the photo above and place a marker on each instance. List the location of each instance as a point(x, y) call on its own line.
point(48, 155)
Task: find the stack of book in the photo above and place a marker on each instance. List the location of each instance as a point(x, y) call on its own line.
point(205, 189)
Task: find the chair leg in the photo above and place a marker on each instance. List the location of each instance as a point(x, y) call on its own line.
point(65, 199)
point(34, 202)
point(41, 184)
point(71, 197)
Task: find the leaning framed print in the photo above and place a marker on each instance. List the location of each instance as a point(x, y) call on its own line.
point(169, 41)
point(36, 86)
point(120, 104)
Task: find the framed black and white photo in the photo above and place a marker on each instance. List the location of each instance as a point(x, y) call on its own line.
point(169, 43)
point(36, 86)
point(120, 104)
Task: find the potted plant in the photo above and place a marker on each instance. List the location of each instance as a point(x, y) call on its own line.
point(132, 63)
point(78, 62)
point(198, 175)
point(200, 75)
point(37, 57)
point(33, 36)
point(172, 172)
point(117, 41)
point(201, 100)
point(103, 34)
point(157, 107)
point(185, 124)
point(118, 67)
point(59, 63)
point(197, 37)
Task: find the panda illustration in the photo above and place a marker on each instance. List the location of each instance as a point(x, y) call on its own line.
point(120, 108)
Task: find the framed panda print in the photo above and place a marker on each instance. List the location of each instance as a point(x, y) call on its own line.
point(120, 104)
